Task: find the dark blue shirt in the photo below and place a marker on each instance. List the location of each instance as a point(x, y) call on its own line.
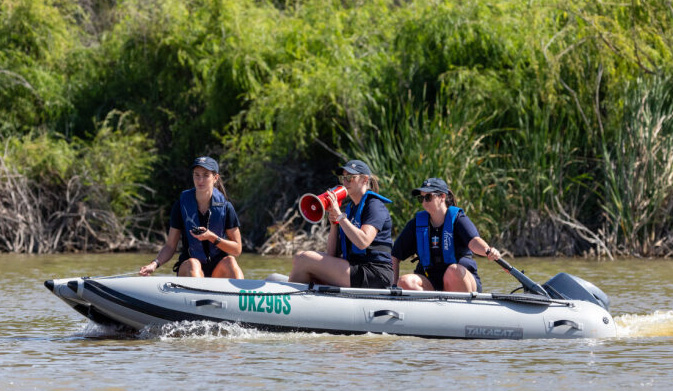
point(376, 214)
point(231, 221)
point(463, 232)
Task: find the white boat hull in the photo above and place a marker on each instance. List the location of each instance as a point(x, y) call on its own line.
point(137, 302)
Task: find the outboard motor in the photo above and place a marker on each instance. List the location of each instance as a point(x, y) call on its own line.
point(568, 287)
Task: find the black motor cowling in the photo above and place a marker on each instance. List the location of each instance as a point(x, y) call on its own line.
point(568, 287)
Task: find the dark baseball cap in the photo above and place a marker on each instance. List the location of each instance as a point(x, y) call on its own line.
point(432, 185)
point(357, 167)
point(208, 163)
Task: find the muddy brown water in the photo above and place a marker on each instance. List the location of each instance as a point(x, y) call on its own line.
point(45, 345)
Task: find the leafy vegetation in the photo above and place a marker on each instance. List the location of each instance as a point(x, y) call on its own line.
point(549, 119)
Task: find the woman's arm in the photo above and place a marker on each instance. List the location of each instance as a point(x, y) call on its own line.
point(333, 240)
point(479, 246)
point(165, 254)
point(232, 245)
point(396, 270)
point(360, 237)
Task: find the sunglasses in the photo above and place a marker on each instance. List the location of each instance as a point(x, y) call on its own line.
point(346, 178)
point(426, 198)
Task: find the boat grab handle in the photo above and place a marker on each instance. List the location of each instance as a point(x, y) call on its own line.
point(214, 303)
point(391, 313)
point(565, 322)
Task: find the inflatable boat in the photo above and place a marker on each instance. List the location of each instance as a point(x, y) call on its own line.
point(564, 307)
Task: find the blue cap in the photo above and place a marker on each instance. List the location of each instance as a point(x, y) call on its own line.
point(432, 185)
point(357, 167)
point(208, 163)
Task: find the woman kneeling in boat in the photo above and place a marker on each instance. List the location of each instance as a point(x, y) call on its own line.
point(359, 241)
point(444, 239)
point(208, 226)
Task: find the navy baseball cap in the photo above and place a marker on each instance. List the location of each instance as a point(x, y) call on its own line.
point(357, 167)
point(432, 185)
point(208, 163)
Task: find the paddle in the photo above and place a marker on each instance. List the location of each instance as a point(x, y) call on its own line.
point(528, 284)
point(395, 291)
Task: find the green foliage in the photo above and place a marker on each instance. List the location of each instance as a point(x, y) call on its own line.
point(35, 38)
point(49, 159)
point(412, 146)
point(638, 189)
point(119, 158)
point(519, 105)
point(115, 164)
point(307, 71)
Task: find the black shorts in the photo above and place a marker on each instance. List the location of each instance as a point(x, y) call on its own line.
point(435, 273)
point(207, 267)
point(371, 275)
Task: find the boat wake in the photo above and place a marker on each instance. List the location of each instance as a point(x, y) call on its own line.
point(197, 330)
point(93, 330)
point(657, 324)
point(213, 330)
point(176, 330)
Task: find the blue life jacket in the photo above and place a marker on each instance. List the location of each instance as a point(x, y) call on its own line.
point(190, 216)
point(356, 220)
point(423, 242)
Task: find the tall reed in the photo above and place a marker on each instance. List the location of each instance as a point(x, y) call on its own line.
point(637, 194)
point(412, 145)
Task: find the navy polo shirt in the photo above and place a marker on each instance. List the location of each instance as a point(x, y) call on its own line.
point(463, 232)
point(376, 214)
point(231, 221)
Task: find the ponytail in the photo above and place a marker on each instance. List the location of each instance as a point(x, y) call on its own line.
point(219, 185)
point(374, 183)
point(450, 199)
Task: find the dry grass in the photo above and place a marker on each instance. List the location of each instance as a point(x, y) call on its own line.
point(39, 218)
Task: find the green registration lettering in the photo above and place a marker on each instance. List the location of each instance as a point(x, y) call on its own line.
point(267, 303)
point(260, 305)
point(286, 308)
point(242, 301)
point(251, 302)
point(277, 304)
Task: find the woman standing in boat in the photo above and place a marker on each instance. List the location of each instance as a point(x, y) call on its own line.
point(444, 239)
point(359, 241)
point(208, 226)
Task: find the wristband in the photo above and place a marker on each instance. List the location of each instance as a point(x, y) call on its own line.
point(157, 262)
point(218, 240)
point(488, 251)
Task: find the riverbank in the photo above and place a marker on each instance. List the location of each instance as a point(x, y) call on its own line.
point(551, 122)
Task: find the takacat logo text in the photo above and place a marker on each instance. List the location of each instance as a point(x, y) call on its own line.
point(493, 332)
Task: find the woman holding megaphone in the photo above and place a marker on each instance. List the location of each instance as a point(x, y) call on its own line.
point(359, 241)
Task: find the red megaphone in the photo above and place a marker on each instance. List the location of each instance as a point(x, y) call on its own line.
point(313, 207)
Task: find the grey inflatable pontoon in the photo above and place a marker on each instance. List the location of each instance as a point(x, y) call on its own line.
point(564, 307)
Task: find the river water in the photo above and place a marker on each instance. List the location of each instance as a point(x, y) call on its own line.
point(45, 345)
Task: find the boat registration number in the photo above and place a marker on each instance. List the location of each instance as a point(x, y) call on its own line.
point(253, 301)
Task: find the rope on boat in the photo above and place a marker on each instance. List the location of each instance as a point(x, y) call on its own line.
point(528, 299)
point(308, 291)
point(112, 276)
point(191, 288)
